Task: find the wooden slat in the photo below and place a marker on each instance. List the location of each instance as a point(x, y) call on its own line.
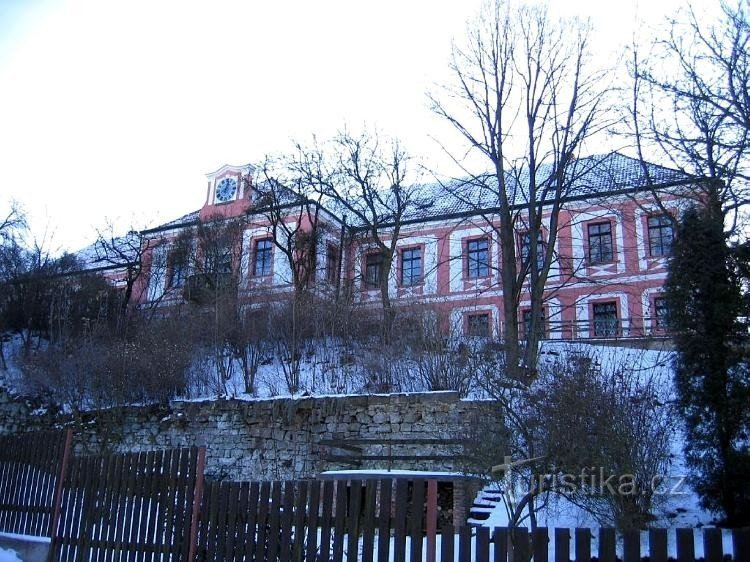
point(631, 548)
point(172, 469)
point(286, 521)
point(712, 547)
point(399, 521)
point(313, 520)
point(520, 542)
point(562, 545)
point(416, 519)
point(464, 543)
point(339, 522)
point(184, 506)
point(260, 544)
point(482, 550)
point(368, 521)
point(540, 544)
point(300, 508)
point(741, 544)
point(326, 513)
point(222, 536)
point(583, 545)
point(657, 545)
point(353, 519)
point(447, 544)
point(384, 520)
point(607, 544)
point(232, 535)
point(685, 545)
point(240, 529)
point(273, 521)
point(253, 507)
point(500, 541)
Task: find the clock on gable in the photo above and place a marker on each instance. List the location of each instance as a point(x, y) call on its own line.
point(226, 189)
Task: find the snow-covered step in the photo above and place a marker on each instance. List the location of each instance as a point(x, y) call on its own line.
point(487, 501)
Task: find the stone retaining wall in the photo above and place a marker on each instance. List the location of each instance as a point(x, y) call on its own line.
point(285, 438)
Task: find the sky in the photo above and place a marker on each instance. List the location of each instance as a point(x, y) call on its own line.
point(111, 113)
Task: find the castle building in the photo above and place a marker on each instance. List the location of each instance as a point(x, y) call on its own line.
point(614, 233)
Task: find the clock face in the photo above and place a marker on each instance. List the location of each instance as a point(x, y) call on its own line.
point(225, 189)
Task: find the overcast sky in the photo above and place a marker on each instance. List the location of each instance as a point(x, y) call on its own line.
point(115, 111)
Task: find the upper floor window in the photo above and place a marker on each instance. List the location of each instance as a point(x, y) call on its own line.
point(478, 258)
point(606, 322)
point(373, 269)
point(525, 244)
point(600, 243)
point(660, 235)
point(411, 266)
point(478, 325)
point(332, 263)
point(263, 257)
point(218, 260)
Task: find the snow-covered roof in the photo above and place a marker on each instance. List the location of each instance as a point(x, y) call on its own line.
point(113, 253)
point(590, 177)
point(184, 220)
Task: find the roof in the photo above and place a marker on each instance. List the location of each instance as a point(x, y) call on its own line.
point(111, 254)
point(589, 177)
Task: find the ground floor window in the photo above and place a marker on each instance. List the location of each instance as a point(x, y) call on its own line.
point(526, 324)
point(478, 325)
point(606, 322)
point(660, 316)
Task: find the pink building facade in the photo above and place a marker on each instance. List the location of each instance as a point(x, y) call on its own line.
point(611, 253)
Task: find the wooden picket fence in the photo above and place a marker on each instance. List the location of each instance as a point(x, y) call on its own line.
point(134, 506)
point(155, 506)
point(30, 466)
point(396, 521)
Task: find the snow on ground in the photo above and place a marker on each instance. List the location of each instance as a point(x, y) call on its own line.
point(7, 555)
point(328, 368)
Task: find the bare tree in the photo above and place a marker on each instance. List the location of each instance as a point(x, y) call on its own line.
point(690, 103)
point(284, 198)
point(369, 180)
point(526, 98)
point(124, 254)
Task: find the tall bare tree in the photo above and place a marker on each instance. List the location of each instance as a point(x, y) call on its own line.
point(525, 98)
point(690, 103)
point(370, 180)
point(283, 197)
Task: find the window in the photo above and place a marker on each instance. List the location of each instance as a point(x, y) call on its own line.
point(660, 235)
point(218, 260)
point(177, 271)
point(477, 258)
point(525, 244)
point(600, 243)
point(606, 323)
point(263, 258)
point(332, 263)
point(541, 330)
point(411, 266)
point(478, 325)
point(660, 317)
point(373, 270)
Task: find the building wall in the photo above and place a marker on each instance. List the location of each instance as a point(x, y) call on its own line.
point(574, 290)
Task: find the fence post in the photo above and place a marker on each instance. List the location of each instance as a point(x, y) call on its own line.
point(62, 474)
point(431, 519)
point(197, 498)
